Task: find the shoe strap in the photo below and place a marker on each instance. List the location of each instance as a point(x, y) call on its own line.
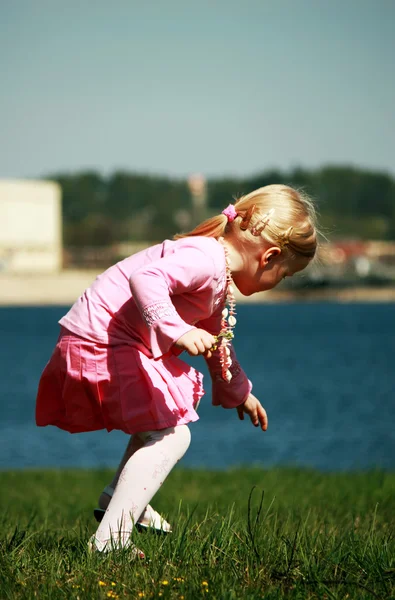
point(108, 490)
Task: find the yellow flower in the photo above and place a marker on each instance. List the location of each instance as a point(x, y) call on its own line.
point(113, 583)
point(112, 594)
point(141, 594)
point(204, 583)
point(102, 583)
point(165, 582)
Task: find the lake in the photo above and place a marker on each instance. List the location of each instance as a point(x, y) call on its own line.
point(323, 371)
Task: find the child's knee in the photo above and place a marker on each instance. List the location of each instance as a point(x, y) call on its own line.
point(177, 439)
point(183, 436)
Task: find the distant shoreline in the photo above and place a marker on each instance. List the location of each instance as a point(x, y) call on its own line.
point(63, 288)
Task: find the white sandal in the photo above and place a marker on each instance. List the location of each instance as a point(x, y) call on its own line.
point(149, 520)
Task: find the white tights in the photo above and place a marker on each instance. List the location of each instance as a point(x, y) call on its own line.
point(140, 479)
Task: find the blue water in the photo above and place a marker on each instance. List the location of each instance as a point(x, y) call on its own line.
point(324, 372)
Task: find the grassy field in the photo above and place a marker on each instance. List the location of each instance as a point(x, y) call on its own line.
point(311, 535)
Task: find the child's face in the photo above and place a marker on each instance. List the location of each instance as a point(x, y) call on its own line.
point(269, 271)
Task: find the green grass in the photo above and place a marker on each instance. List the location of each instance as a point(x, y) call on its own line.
point(314, 536)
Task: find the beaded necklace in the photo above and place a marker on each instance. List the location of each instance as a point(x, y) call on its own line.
point(228, 320)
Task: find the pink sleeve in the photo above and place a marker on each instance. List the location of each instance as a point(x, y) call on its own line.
point(234, 393)
point(152, 286)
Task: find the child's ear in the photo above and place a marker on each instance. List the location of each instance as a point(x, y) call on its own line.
point(268, 255)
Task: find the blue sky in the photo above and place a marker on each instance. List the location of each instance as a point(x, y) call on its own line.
point(175, 87)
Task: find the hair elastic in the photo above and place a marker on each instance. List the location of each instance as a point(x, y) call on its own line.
point(230, 212)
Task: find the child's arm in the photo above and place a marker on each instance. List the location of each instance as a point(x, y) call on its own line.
point(237, 391)
point(154, 284)
point(228, 394)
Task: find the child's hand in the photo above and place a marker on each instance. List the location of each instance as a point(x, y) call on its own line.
point(254, 409)
point(196, 341)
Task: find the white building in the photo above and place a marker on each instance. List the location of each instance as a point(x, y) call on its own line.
point(30, 226)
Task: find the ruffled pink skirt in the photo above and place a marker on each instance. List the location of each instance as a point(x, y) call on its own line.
point(88, 386)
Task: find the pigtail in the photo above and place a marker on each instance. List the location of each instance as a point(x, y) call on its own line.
point(212, 227)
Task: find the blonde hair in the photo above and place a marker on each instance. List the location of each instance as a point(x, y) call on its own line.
point(276, 213)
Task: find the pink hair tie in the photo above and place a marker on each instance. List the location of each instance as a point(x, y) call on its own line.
point(230, 212)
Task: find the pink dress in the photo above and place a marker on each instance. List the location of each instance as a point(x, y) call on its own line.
point(114, 366)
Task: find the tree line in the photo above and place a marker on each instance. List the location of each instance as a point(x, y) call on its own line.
point(101, 211)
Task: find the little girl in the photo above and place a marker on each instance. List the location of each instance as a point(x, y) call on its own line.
point(116, 365)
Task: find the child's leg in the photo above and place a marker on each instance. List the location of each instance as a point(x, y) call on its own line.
point(135, 443)
point(149, 517)
point(140, 479)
